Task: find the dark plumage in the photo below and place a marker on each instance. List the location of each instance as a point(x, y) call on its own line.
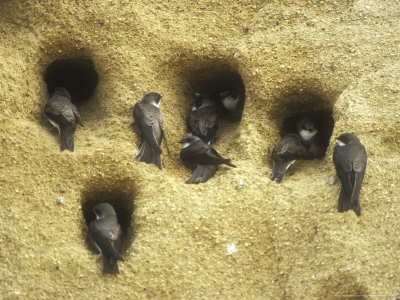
point(202, 120)
point(195, 151)
point(148, 118)
point(201, 155)
point(350, 159)
point(106, 233)
point(64, 116)
point(285, 153)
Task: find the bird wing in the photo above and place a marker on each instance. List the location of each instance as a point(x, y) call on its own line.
point(60, 113)
point(343, 168)
point(146, 123)
point(289, 149)
point(359, 166)
point(106, 242)
point(161, 122)
point(77, 116)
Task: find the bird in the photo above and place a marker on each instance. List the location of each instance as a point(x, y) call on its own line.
point(201, 155)
point(232, 103)
point(308, 131)
point(350, 160)
point(147, 116)
point(203, 120)
point(107, 235)
point(285, 153)
point(63, 115)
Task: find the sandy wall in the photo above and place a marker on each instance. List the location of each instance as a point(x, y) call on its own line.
point(339, 56)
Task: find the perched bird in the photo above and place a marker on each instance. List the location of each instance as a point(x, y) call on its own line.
point(147, 116)
point(350, 159)
point(201, 155)
point(63, 115)
point(285, 153)
point(308, 132)
point(202, 120)
point(106, 233)
point(232, 103)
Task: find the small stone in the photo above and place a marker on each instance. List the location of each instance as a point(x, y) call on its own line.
point(101, 21)
point(240, 186)
point(333, 67)
point(230, 249)
point(60, 200)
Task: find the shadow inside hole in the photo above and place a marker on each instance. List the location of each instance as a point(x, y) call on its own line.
point(77, 75)
point(123, 206)
point(218, 83)
point(302, 106)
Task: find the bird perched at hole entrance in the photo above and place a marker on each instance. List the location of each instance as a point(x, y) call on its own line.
point(233, 103)
point(63, 115)
point(308, 132)
point(350, 160)
point(107, 235)
point(203, 156)
point(147, 116)
point(203, 120)
point(285, 153)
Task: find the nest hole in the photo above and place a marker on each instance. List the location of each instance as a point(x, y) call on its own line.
point(292, 109)
point(77, 75)
point(123, 206)
point(217, 83)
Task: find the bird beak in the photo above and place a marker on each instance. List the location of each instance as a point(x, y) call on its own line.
point(181, 141)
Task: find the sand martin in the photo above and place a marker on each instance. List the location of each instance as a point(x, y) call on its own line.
point(285, 153)
point(201, 155)
point(308, 132)
point(147, 116)
point(350, 159)
point(232, 103)
point(106, 233)
point(202, 120)
point(63, 115)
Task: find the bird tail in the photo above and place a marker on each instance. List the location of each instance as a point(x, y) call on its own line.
point(202, 173)
point(346, 203)
point(148, 155)
point(279, 169)
point(228, 163)
point(67, 139)
point(110, 264)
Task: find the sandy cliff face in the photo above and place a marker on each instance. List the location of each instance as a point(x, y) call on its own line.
point(340, 57)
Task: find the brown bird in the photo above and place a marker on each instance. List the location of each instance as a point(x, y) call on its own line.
point(350, 160)
point(147, 116)
point(285, 153)
point(106, 233)
point(201, 155)
point(63, 115)
point(202, 120)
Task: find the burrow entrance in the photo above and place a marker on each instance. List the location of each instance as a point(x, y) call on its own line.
point(291, 109)
point(77, 75)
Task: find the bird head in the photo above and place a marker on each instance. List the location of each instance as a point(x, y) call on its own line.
point(346, 138)
point(152, 98)
point(307, 128)
point(103, 209)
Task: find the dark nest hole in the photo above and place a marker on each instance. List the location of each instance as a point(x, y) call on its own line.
point(77, 75)
point(123, 206)
point(299, 106)
point(217, 83)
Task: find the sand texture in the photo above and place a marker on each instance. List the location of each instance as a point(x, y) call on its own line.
point(218, 240)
